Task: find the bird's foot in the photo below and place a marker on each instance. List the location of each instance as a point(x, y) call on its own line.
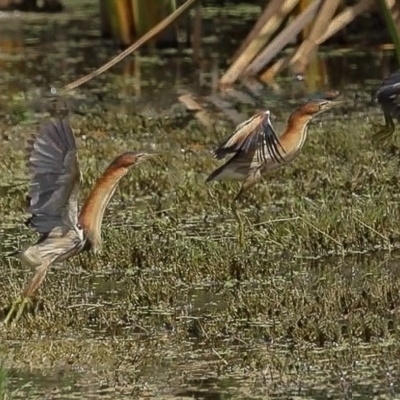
point(17, 308)
point(384, 132)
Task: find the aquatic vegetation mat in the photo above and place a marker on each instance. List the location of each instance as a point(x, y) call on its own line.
point(296, 309)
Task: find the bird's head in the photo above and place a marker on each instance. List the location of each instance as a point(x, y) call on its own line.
point(317, 106)
point(131, 158)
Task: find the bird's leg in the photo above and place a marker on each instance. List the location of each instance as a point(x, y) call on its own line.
point(26, 301)
point(29, 291)
point(383, 133)
point(240, 236)
point(386, 130)
point(246, 185)
point(36, 281)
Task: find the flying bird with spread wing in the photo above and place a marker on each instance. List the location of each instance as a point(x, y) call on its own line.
point(257, 148)
point(53, 203)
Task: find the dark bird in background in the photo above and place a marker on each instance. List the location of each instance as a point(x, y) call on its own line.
point(53, 203)
point(257, 148)
point(388, 96)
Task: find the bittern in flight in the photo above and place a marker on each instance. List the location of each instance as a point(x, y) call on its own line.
point(388, 96)
point(257, 148)
point(53, 202)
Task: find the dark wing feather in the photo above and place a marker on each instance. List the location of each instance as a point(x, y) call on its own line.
point(55, 177)
point(239, 140)
point(389, 95)
point(255, 135)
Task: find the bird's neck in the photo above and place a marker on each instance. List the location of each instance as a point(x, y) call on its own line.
point(296, 132)
point(298, 122)
point(91, 215)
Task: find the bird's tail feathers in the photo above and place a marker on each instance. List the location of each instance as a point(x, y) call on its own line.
point(214, 175)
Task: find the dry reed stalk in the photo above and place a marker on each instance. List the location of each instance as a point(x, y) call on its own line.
point(273, 15)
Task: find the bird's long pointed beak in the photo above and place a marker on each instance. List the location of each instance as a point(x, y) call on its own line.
point(336, 103)
point(156, 156)
point(151, 155)
point(332, 104)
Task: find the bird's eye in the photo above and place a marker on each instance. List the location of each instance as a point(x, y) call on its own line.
point(79, 226)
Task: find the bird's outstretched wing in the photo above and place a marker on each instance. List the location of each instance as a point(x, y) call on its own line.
point(55, 177)
point(388, 95)
point(255, 136)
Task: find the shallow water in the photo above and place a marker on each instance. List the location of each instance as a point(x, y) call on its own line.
point(174, 320)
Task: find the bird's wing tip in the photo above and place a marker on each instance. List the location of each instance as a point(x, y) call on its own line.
point(208, 179)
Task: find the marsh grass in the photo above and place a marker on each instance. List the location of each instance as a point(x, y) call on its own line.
point(3, 382)
point(172, 290)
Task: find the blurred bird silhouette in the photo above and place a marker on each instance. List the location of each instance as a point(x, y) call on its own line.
point(53, 202)
point(388, 96)
point(257, 148)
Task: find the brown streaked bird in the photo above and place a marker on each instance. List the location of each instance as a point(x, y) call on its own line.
point(257, 148)
point(53, 202)
point(388, 96)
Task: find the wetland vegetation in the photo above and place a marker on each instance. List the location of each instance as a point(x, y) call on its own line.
point(173, 307)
